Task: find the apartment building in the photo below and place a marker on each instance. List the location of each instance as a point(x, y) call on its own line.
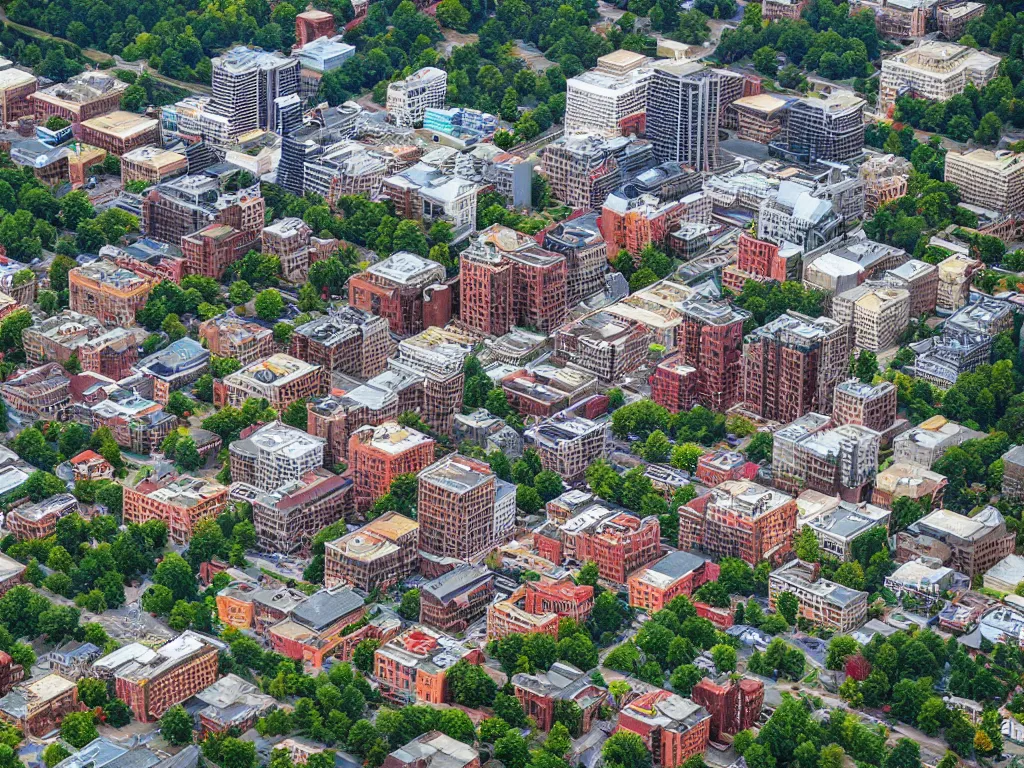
point(456, 599)
point(172, 368)
point(760, 260)
point(456, 508)
point(739, 518)
point(822, 602)
point(673, 728)
point(795, 215)
point(985, 317)
point(929, 440)
point(869, 405)
point(674, 384)
point(246, 82)
point(683, 106)
point(488, 432)
point(377, 556)
point(180, 502)
point(955, 275)
point(920, 280)
point(970, 545)
point(783, 9)
point(345, 340)
point(843, 460)
point(315, 627)
point(38, 706)
point(186, 204)
point(213, 248)
point(400, 289)
point(583, 168)
point(544, 390)
point(538, 606)
point(567, 444)
point(119, 132)
point(377, 455)
point(408, 99)
point(836, 531)
point(15, 88)
point(107, 292)
point(878, 314)
point(288, 517)
point(910, 480)
point(716, 467)
point(39, 520)
point(274, 455)
point(280, 379)
point(899, 20)
point(631, 220)
point(506, 280)
point(1013, 473)
point(232, 702)
point(288, 239)
point(110, 353)
point(244, 339)
point(580, 241)
point(610, 99)
point(710, 339)
point(734, 704)
point(411, 668)
point(618, 541)
point(434, 749)
point(309, 25)
point(991, 180)
point(678, 573)
point(152, 165)
point(136, 422)
point(952, 19)
point(933, 70)
point(438, 356)
point(885, 180)
point(152, 681)
point(607, 346)
point(792, 365)
point(84, 96)
point(829, 129)
point(539, 693)
point(345, 168)
point(427, 194)
point(39, 394)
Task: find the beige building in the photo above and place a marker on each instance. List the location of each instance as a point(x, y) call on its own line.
point(878, 314)
point(606, 98)
point(821, 602)
point(119, 132)
point(152, 164)
point(934, 70)
point(993, 180)
point(15, 87)
point(885, 179)
point(955, 282)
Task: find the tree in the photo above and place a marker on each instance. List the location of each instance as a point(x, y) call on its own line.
point(240, 293)
point(92, 692)
point(78, 729)
point(510, 710)
point(512, 750)
point(176, 726)
point(839, 648)
point(269, 305)
point(470, 686)
point(75, 207)
point(54, 753)
point(175, 574)
point(805, 545)
point(764, 61)
point(657, 447)
point(788, 606)
point(626, 749)
point(865, 366)
point(684, 677)
point(235, 753)
point(724, 657)
point(456, 724)
point(906, 754)
point(990, 128)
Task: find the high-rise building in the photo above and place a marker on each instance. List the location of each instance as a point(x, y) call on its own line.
point(408, 99)
point(506, 279)
point(186, 204)
point(288, 517)
point(246, 81)
point(568, 444)
point(955, 275)
point(611, 98)
point(288, 239)
point(583, 168)
point(933, 70)
point(346, 340)
point(870, 405)
point(878, 314)
point(274, 455)
point(604, 344)
point(710, 338)
point(580, 241)
point(992, 180)
point(377, 455)
point(842, 460)
point(823, 129)
point(455, 508)
point(682, 113)
point(438, 356)
point(400, 289)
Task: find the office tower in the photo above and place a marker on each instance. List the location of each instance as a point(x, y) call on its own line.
point(455, 508)
point(584, 168)
point(933, 70)
point(611, 98)
point(682, 113)
point(246, 82)
point(823, 129)
point(408, 99)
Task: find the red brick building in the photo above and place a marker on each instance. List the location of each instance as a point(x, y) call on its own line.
point(680, 573)
point(718, 466)
point(377, 455)
point(401, 290)
point(411, 668)
point(37, 521)
point(758, 260)
point(710, 338)
point(538, 606)
point(288, 517)
point(10, 673)
point(309, 25)
point(632, 224)
point(180, 502)
point(455, 508)
point(213, 249)
point(538, 693)
point(734, 704)
point(674, 384)
point(673, 728)
point(456, 599)
point(38, 706)
point(315, 627)
point(245, 340)
point(377, 556)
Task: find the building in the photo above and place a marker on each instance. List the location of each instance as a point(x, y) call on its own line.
point(1005, 575)
point(538, 694)
point(289, 516)
point(987, 317)
point(309, 25)
point(438, 356)
point(119, 132)
point(761, 260)
point(152, 165)
point(953, 18)
point(137, 423)
point(183, 205)
point(89, 465)
point(709, 339)
point(739, 518)
point(682, 113)
point(717, 467)
point(955, 275)
point(411, 668)
point(735, 705)
point(280, 379)
point(794, 215)
point(346, 340)
point(83, 96)
point(924, 579)
point(674, 384)
point(377, 455)
point(869, 405)
point(910, 480)
point(289, 239)
point(37, 707)
point(783, 9)
point(674, 729)
point(941, 360)
point(1013, 474)
point(792, 365)
point(246, 83)
point(830, 129)
point(679, 573)
point(567, 444)
point(466, 126)
point(921, 280)
point(39, 520)
point(488, 432)
point(315, 627)
point(544, 390)
point(822, 602)
point(885, 180)
point(72, 660)
point(433, 750)
point(901, 19)
point(408, 99)
point(933, 70)
point(180, 502)
point(580, 241)
point(611, 98)
point(837, 530)
point(213, 249)
point(583, 168)
point(400, 289)
point(57, 338)
point(175, 366)
point(757, 118)
point(878, 315)
point(618, 541)
point(456, 508)
point(604, 344)
point(274, 455)
point(842, 460)
point(234, 703)
point(425, 193)
point(108, 292)
point(970, 545)
point(152, 681)
point(229, 335)
point(15, 88)
point(925, 443)
point(377, 556)
point(39, 394)
point(507, 280)
point(456, 599)
point(538, 606)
